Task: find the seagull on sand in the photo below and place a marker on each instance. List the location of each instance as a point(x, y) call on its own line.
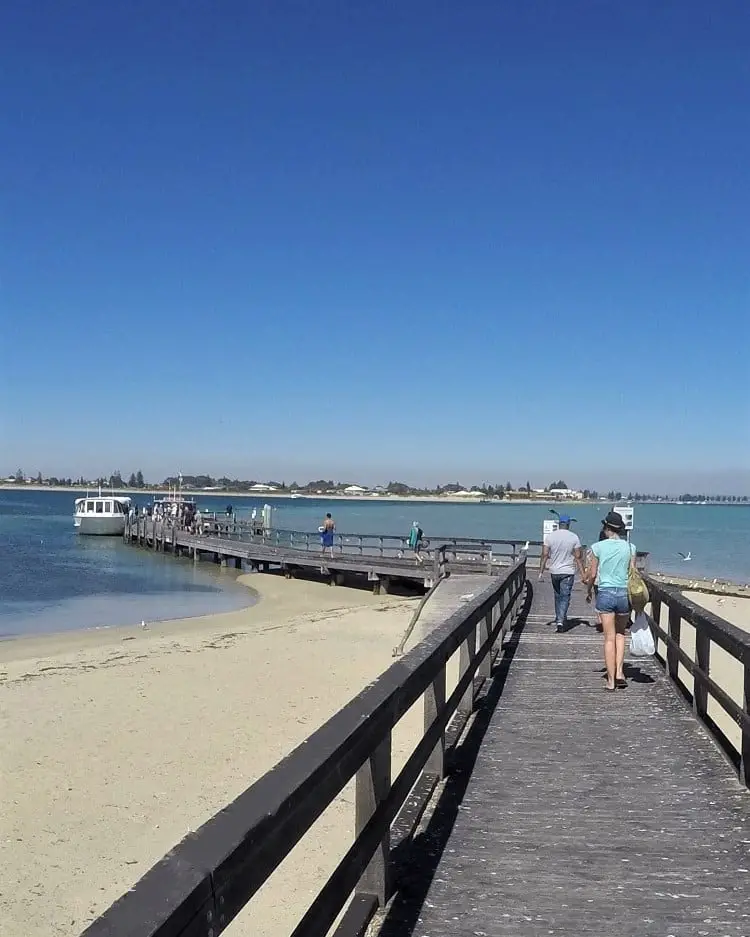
point(686, 558)
point(143, 623)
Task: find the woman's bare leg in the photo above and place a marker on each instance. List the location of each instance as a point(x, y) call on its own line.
point(610, 647)
point(621, 623)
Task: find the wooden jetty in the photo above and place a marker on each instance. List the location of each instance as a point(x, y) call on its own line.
point(379, 560)
point(534, 802)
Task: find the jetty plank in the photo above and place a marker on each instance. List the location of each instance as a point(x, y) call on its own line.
point(586, 812)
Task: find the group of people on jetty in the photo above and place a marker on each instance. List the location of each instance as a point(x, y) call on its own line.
point(606, 574)
point(181, 514)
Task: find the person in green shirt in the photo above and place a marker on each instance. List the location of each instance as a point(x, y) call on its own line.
point(611, 560)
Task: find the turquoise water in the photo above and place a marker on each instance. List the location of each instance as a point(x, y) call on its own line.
point(718, 537)
point(51, 579)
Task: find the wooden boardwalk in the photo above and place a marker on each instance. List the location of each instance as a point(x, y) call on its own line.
point(450, 595)
point(578, 812)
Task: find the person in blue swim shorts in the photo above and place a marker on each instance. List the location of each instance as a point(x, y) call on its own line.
point(327, 530)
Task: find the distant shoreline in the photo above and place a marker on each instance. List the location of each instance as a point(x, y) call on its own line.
point(427, 499)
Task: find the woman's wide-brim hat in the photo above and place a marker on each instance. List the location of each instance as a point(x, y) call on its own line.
point(614, 521)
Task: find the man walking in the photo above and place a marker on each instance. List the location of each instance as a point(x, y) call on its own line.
point(563, 551)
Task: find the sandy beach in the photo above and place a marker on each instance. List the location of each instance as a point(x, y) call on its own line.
point(118, 742)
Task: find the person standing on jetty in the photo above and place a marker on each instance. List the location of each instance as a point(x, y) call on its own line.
point(611, 561)
point(415, 541)
point(327, 530)
point(563, 550)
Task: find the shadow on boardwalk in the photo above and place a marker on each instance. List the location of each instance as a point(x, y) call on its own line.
point(418, 860)
point(571, 811)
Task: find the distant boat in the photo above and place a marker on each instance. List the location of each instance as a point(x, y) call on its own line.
point(103, 515)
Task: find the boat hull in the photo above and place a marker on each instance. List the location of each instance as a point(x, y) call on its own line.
point(92, 525)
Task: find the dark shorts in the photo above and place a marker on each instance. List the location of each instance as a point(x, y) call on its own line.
point(613, 600)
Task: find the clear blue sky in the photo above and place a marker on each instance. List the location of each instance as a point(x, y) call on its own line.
point(373, 240)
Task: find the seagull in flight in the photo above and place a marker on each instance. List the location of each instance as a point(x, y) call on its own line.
point(686, 558)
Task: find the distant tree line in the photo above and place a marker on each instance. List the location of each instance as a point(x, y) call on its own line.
point(328, 486)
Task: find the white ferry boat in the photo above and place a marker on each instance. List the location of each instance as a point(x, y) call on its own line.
point(103, 515)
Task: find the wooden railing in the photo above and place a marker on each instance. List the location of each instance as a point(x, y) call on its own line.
point(205, 881)
point(358, 544)
point(708, 660)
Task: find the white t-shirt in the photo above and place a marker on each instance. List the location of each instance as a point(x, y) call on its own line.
point(561, 545)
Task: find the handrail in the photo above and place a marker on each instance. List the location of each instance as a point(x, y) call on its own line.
point(206, 880)
point(399, 649)
point(709, 628)
point(357, 544)
point(226, 521)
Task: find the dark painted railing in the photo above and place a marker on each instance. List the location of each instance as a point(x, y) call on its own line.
point(364, 544)
point(689, 637)
point(353, 544)
point(203, 883)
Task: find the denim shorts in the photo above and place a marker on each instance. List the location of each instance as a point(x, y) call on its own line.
point(613, 600)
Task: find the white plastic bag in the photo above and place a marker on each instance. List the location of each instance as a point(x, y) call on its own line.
point(641, 638)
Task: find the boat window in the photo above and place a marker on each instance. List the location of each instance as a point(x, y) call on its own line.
point(99, 507)
point(107, 507)
point(90, 506)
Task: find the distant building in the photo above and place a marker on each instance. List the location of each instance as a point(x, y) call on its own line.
point(354, 490)
point(259, 486)
point(566, 494)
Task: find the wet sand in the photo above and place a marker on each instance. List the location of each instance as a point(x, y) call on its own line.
point(116, 743)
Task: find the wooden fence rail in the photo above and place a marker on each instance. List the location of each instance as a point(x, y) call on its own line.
point(205, 881)
point(687, 639)
point(219, 525)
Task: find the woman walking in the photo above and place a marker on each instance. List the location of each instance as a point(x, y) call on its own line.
point(593, 586)
point(610, 563)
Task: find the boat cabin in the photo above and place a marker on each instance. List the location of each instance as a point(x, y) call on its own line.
point(101, 504)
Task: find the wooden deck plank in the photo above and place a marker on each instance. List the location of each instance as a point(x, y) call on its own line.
point(587, 812)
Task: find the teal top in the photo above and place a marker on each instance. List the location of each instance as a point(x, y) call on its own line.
point(614, 561)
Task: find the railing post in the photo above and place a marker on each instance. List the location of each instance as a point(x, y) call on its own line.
point(485, 630)
point(673, 660)
point(702, 658)
point(745, 743)
point(372, 787)
point(498, 610)
point(466, 656)
point(434, 703)
point(656, 616)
